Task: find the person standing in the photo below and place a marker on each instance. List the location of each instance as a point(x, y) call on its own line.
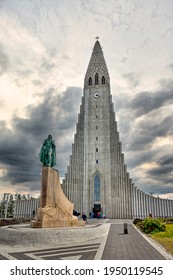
point(84, 217)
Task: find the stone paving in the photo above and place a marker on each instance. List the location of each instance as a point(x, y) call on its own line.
point(99, 239)
point(131, 246)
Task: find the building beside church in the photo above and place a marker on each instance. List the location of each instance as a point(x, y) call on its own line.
point(97, 179)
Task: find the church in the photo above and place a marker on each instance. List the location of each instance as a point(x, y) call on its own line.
point(97, 179)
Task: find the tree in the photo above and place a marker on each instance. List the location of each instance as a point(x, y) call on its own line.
point(2, 209)
point(10, 209)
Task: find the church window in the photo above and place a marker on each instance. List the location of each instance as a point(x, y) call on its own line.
point(97, 188)
point(96, 79)
point(96, 126)
point(97, 149)
point(97, 161)
point(96, 138)
point(96, 117)
point(103, 80)
point(90, 81)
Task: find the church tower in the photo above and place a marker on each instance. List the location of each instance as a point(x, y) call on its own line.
point(96, 178)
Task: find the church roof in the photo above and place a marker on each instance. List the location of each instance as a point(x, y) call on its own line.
point(97, 62)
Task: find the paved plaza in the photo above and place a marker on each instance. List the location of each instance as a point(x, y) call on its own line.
point(100, 239)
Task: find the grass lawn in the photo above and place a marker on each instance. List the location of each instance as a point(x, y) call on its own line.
point(165, 238)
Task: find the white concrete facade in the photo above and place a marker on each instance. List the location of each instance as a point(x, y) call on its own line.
point(25, 208)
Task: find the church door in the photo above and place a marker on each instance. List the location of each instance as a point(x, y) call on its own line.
point(97, 205)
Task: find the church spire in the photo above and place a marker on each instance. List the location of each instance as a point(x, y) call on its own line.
point(97, 65)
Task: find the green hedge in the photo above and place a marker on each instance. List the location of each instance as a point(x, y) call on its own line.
point(150, 225)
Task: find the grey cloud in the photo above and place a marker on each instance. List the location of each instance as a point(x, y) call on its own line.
point(1, 2)
point(4, 62)
point(171, 66)
point(146, 131)
point(19, 148)
point(167, 84)
point(164, 169)
point(157, 127)
point(24, 73)
point(139, 157)
point(157, 179)
point(16, 155)
point(150, 185)
point(156, 189)
point(46, 65)
point(36, 82)
point(52, 52)
point(165, 160)
point(142, 121)
point(66, 57)
point(55, 112)
point(132, 80)
point(145, 102)
point(160, 171)
point(162, 175)
point(138, 132)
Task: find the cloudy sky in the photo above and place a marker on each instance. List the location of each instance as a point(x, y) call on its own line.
point(45, 47)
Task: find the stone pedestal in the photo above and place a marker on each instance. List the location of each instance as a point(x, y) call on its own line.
point(55, 209)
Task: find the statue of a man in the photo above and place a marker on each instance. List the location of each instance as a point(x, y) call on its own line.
point(48, 152)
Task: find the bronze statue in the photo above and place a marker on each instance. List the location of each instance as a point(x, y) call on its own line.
point(48, 152)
